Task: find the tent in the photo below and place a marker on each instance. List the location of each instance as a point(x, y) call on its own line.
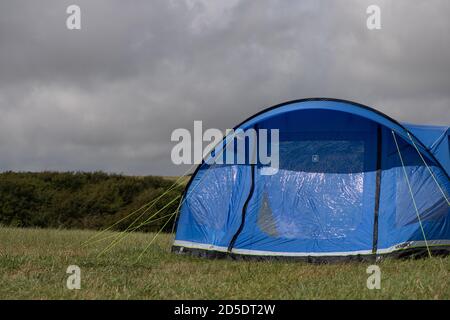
point(352, 183)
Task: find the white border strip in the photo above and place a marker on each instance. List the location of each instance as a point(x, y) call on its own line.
point(198, 245)
point(400, 246)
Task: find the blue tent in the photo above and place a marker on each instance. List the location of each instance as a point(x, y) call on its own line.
point(352, 183)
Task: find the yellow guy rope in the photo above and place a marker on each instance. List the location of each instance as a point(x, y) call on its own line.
point(429, 169)
point(412, 195)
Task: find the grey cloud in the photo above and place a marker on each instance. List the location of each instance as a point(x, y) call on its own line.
point(107, 97)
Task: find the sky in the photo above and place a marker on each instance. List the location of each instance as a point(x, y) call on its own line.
point(107, 97)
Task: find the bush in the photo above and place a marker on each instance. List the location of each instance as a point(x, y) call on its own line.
point(83, 200)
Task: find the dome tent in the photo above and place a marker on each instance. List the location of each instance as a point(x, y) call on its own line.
point(352, 184)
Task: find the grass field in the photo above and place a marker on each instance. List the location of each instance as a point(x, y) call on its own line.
point(33, 265)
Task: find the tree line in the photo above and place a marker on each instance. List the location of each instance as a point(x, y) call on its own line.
point(85, 200)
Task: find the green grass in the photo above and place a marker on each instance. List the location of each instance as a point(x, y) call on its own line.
point(33, 265)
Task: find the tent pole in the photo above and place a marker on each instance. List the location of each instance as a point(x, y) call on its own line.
point(377, 190)
point(252, 161)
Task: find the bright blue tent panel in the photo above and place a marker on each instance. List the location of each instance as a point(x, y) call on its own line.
point(209, 213)
point(399, 221)
point(436, 139)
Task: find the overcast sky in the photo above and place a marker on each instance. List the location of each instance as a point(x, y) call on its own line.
point(108, 96)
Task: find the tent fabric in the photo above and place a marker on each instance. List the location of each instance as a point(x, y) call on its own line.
point(436, 139)
point(341, 189)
